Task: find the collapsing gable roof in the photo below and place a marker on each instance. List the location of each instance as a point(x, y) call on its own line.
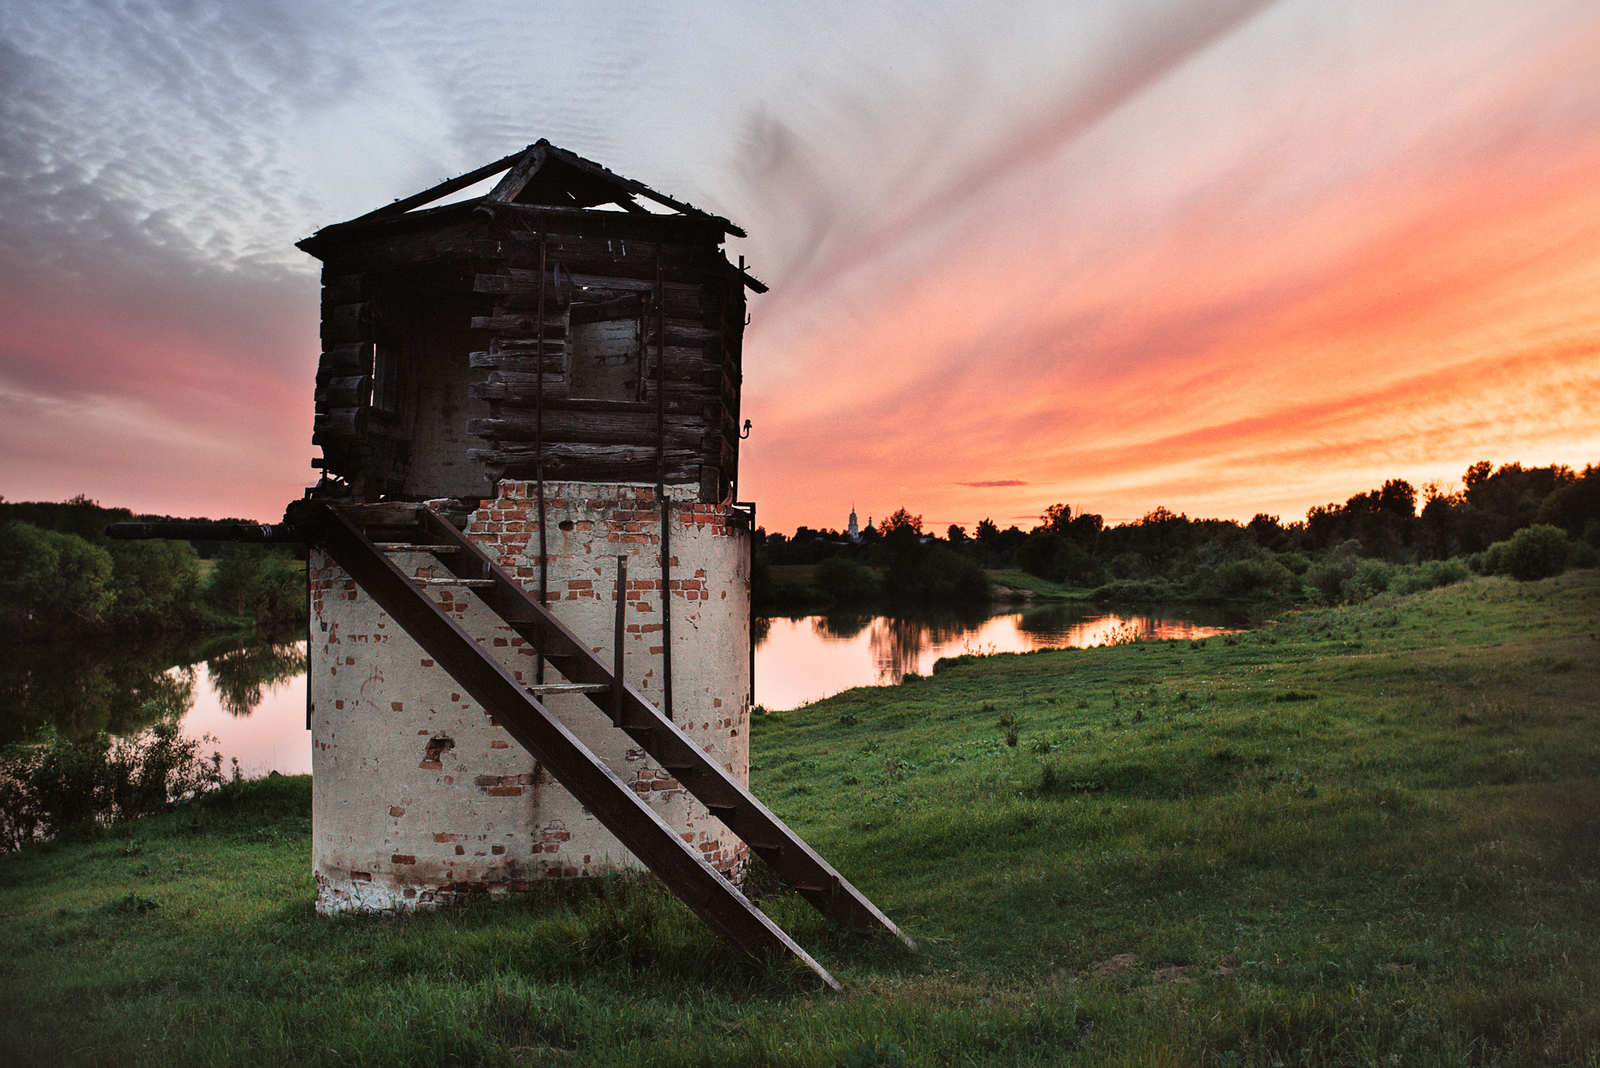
point(539, 176)
point(543, 174)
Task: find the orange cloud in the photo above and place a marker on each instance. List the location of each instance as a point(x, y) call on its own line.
point(1397, 294)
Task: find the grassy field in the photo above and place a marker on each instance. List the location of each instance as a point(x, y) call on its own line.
point(1360, 836)
point(1042, 589)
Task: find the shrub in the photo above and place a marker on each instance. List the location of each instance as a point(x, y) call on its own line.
point(1129, 566)
point(1534, 552)
point(1584, 554)
point(1296, 563)
point(845, 581)
point(936, 575)
point(255, 582)
point(1325, 579)
point(1434, 573)
point(49, 578)
point(1253, 577)
point(1370, 578)
point(1056, 559)
point(154, 581)
point(58, 783)
point(1134, 590)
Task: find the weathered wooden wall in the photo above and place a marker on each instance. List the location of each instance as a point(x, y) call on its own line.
point(479, 305)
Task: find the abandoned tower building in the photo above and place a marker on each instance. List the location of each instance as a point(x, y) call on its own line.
point(563, 380)
point(530, 575)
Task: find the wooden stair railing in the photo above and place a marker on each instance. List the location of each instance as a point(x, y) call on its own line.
point(585, 776)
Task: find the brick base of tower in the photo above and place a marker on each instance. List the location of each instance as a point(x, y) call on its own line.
point(419, 797)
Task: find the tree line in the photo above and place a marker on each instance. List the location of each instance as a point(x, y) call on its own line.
point(1526, 522)
point(60, 576)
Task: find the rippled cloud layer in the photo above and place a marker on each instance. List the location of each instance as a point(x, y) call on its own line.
point(1227, 257)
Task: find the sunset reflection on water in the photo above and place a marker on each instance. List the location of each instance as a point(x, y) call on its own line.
point(268, 734)
point(248, 704)
point(797, 661)
point(807, 659)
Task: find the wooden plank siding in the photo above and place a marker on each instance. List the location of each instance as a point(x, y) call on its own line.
point(484, 263)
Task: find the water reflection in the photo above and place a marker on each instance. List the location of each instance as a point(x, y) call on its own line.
point(123, 687)
point(240, 676)
point(840, 627)
point(83, 688)
point(806, 659)
point(1056, 626)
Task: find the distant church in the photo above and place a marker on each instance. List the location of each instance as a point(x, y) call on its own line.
point(854, 531)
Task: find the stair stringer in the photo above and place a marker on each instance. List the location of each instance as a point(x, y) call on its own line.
point(665, 742)
point(621, 811)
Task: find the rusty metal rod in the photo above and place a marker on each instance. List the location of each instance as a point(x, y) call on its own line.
point(616, 645)
point(661, 479)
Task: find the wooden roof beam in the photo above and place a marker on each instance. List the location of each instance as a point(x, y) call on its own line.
point(642, 190)
point(532, 158)
point(428, 196)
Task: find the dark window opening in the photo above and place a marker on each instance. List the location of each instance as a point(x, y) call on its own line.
point(605, 350)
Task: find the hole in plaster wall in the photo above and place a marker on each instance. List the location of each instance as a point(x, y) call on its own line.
point(435, 752)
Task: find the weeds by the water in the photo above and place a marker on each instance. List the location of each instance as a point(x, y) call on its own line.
point(1364, 835)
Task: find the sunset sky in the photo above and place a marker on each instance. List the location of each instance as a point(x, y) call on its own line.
point(1225, 256)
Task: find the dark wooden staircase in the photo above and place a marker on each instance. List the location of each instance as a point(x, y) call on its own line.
point(360, 539)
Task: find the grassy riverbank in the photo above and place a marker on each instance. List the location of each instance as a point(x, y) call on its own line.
point(1366, 835)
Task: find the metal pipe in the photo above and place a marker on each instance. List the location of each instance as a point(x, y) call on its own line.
point(616, 645)
point(661, 480)
point(538, 437)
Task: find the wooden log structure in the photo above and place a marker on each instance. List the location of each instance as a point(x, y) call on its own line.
point(466, 341)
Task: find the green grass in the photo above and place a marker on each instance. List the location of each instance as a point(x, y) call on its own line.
point(1042, 589)
point(1365, 835)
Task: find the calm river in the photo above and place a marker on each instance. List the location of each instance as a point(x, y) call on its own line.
point(807, 659)
point(251, 699)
